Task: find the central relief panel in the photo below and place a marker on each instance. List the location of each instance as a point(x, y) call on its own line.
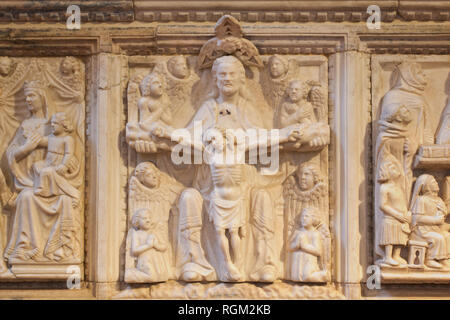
point(229, 165)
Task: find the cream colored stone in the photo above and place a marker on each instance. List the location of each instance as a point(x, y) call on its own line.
point(340, 103)
point(44, 147)
point(230, 225)
point(411, 233)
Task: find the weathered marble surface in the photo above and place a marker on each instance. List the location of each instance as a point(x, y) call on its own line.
point(89, 191)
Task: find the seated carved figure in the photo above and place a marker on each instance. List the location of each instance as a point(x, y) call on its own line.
point(297, 110)
point(155, 116)
point(59, 161)
point(307, 249)
point(44, 224)
point(428, 221)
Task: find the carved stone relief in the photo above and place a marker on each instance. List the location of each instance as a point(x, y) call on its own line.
point(411, 166)
point(42, 148)
point(211, 219)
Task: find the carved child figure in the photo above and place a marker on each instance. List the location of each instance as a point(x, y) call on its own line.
point(394, 229)
point(297, 110)
point(147, 248)
point(428, 221)
point(307, 249)
point(59, 162)
point(155, 117)
point(154, 110)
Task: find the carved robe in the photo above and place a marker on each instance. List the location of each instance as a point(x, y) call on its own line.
point(160, 202)
point(42, 225)
point(432, 234)
point(305, 265)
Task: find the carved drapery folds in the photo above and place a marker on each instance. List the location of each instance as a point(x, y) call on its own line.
point(42, 125)
point(412, 165)
point(249, 219)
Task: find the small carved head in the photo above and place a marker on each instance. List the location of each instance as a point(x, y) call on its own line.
point(69, 65)
point(6, 66)
point(278, 66)
point(388, 170)
point(228, 75)
point(148, 174)
point(308, 176)
point(297, 90)
point(152, 85)
point(35, 96)
point(143, 220)
point(178, 67)
point(60, 123)
point(428, 184)
point(308, 217)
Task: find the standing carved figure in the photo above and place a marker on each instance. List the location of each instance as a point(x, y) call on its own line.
point(226, 206)
point(394, 228)
point(231, 107)
point(408, 91)
point(401, 129)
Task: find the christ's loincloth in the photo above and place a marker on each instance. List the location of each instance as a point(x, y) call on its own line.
point(226, 214)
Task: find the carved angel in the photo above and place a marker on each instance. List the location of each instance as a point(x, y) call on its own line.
point(297, 109)
point(181, 88)
point(155, 191)
point(275, 79)
point(306, 189)
point(155, 116)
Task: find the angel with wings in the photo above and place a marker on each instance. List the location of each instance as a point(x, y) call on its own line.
point(306, 189)
point(157, 193)
point(274, 80)
point(181, 88)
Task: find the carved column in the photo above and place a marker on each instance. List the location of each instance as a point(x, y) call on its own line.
point(349, 87)
point(106, 161)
